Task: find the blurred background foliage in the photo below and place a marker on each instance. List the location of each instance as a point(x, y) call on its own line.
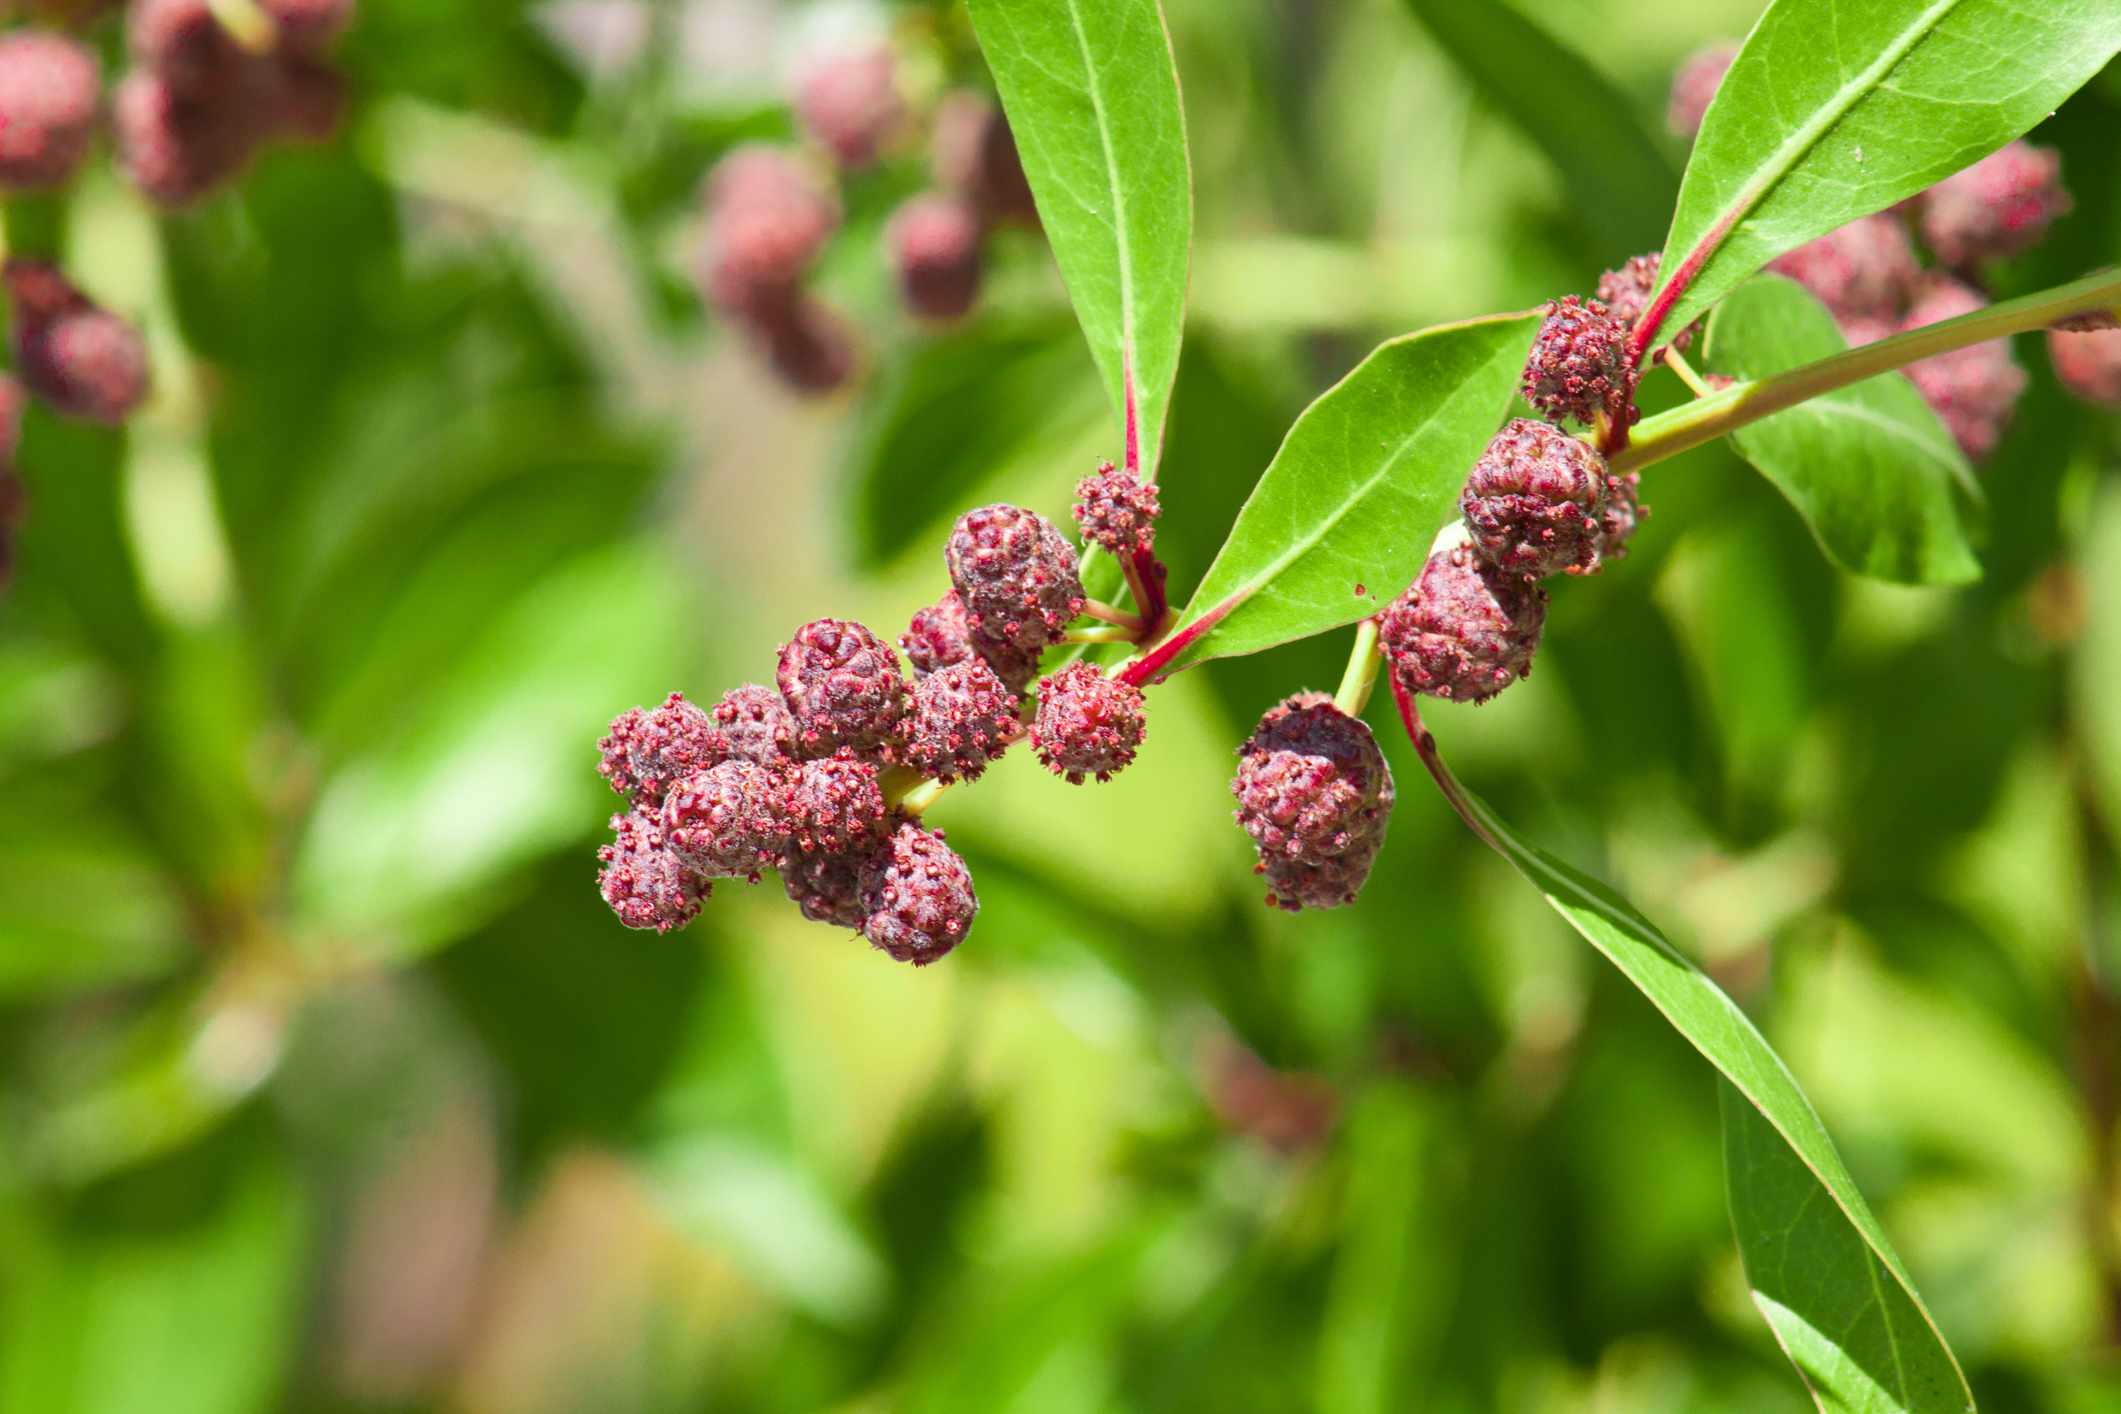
point(327, 1082)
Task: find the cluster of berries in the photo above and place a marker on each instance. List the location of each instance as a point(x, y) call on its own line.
point(811, 778)
point(1871, 276)
point(78, 358)
point(198, 102)
point(770, 211)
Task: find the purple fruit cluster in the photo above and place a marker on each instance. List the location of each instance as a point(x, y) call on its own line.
point(1315, 796)
point(78, 358)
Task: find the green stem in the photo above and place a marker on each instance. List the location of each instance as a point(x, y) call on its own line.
point(1361, 676)
point(1103, 633)
point(1686, 374)
point(917, 800)
point(1107, 613)
point(1705, 419)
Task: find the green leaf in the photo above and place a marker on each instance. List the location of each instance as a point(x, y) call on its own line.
point(1838, 108)
point(1617, 176)
point(1345, 513)
point(1092, 97)
point(1870, 468)
point(1823, 1271)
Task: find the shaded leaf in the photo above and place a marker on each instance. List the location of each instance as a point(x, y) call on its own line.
point(1838, 108)
point(1870, 468)
point(1092, 97)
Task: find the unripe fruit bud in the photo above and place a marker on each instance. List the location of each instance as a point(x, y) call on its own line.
point(50, 89)
point(1087, 724)
point(942, 634)
point(934, 241)
point(1311, 783)
point(1579, 365)
point(645, 884)
point(1462, 631)
point(917, 896)
point(1017, 575)
point(1996, 208)
point(729, 821)
point(176, 150)
point(750, 723)
point(1626, 294)
point(974, 154)
point(1694, 84)
point(1118, 510)
point(826, 887)
point(767, 220)
point(79, 359)
point(849, 104)
point(810, 347)
point(964, 716)
point(833, 805)
point(843, 687)
point(1535, 502)
point(1975, 389)
point(647, 752)
point(1862, 271)
point(2088, 364)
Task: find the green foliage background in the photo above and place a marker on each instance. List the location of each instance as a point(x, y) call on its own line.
point(327, 1083)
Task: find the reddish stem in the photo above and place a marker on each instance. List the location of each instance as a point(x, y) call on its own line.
point(1147, 668)
point(1134, 435)
point(1145, 580)
point(1425, 747)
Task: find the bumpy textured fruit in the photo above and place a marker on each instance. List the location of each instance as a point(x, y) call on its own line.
point(827, 887)
point(934, 243)
point(849, 103)
point(833, 805)
point(646, 885)
point(1535, 502)
point(1325, 883)
point(1311, 783)
point(750, 723)
point(810, 346)
point(1116, 509)
point(78, 359)
point(1579, 364)
point(729, 821)
point(649, 750)
point(767, 219)
point(964, 716)
point(1864, 270)
point(973, 153)
point(49, 91)
point(2088, 364)
point(1462, 631)
point(1996, 208)
point(1623, 512)
point(843, 687)
point(1016, 574)
point(1087, 724)
point(1626, 294)
point(1973, 390)
point(942, 634)
point(1694, 84)
point(917, 897)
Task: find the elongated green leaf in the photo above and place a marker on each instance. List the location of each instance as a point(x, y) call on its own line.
point(1823, 1271)
point(1092, 97)
point(1837, 108)
point(1619, 179)
point(1344, 515)
point(1870, 468)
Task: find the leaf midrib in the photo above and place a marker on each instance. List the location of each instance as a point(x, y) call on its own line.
point(1124, 248)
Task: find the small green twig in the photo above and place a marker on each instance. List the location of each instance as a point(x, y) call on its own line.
point(1361, 675)
point(1107, 633)
point(1112, 614)
point(1686, 373)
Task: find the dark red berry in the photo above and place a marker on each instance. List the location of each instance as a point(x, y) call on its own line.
point(1535, 502)
point(1996, 208)
point(1311, 784)
point(182, 43)
point(1864, 270)
point(964, 716)
point(1579, 364)
point(1462, 631)
point(1973, 390)
point(50, 90)
point(1117, 509)
point(934, 242)
point(1623, 512)
point(849, 103)
point(1087, 724)
point(827, 887)
point(917, 896)
point(648, 751)
point(810, 346)
point(646, 885)
point(1295, 885)
point(833, 805)
point(942, 634)
point(973, 153)
point(750, 723)
point(729, 821)
point(767, 218)
point(843, 687)
point(2088, 364)
point(176, 150)
point(1016, 574)
point(1694, 84)
point(78, 359)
